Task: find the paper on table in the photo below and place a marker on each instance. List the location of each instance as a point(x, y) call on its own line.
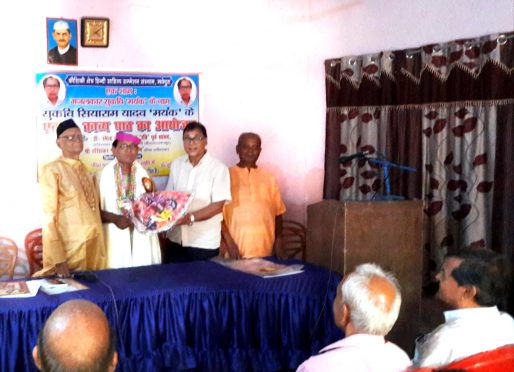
point(260, 267)
point(65, 285)
point(20, 289)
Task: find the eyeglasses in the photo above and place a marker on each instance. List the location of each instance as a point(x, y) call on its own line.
point(74, 138)
point(185, 87)
point(192, 139)
point(51, 86)
point(126, 146)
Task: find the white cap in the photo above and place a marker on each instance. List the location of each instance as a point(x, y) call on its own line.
point(61, 25)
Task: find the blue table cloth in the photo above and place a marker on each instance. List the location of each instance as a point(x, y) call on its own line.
point(191, 316)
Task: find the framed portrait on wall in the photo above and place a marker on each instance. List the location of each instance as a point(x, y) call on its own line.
point(61, 35)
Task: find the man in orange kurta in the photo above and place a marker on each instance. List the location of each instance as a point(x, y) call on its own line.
point(254, 216)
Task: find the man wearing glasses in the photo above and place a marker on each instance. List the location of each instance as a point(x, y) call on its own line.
point(52, 85)
point(72, 227)
point(121, 181)
point(197, 235)
point(185, 86)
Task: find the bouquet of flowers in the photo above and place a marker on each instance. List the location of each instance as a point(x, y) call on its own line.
point(158, 211)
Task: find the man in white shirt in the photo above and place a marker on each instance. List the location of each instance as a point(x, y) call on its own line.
point(473, 282)
point(185, 87)
point(52, 85)
point(197, 235)
point(366, 307)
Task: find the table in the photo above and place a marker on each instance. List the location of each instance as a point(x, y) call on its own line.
point(199, 316)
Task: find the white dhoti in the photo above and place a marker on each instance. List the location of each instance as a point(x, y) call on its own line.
point(126, 248)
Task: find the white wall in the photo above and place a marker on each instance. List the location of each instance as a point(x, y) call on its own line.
point(261, 65)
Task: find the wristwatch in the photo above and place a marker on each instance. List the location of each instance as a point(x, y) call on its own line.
point(191, 219)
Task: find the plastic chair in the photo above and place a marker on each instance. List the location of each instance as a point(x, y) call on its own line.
point(8, 256)
point(293, 240)
point(34, 250)
point(497, 360)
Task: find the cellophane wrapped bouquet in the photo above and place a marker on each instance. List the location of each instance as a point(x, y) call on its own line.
point(155, 212)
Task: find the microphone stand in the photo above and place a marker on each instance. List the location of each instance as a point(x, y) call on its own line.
point(385, 168)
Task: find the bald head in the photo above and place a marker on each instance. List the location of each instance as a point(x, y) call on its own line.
point(381, 292)
point(248, 148)
point(372, 299)
point(248, 135)
point(76, 337)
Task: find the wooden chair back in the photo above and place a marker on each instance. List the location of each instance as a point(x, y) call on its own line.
point(8, 256)
point(293, 240)
point(34, 250)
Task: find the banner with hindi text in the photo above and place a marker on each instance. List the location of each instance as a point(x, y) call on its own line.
point(150, 106)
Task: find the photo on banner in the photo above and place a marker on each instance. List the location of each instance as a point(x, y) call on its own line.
point(149, 106)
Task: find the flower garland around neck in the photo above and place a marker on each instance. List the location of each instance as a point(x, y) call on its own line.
point(125, 188)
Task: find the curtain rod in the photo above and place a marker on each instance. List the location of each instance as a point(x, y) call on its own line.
point(501, 40)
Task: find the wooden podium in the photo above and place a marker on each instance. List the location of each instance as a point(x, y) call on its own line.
point(341, 235)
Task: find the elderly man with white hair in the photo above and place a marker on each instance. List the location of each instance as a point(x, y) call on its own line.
point(366, 307)
point(64, 53)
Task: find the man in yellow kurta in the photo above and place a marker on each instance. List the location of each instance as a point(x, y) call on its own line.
point(254, 217)
point(72, 227)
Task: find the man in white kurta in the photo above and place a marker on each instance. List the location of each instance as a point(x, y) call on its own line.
point(126, 247)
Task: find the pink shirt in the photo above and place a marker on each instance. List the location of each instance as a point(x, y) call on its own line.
point(358, 353)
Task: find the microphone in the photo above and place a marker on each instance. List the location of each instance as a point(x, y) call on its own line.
point(86, 276)
point(357, 155)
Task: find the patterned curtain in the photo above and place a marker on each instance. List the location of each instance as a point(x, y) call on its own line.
point(435, 123)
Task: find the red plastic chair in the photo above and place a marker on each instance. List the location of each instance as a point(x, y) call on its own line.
point(497, 360)
point(34, 250)
point(8, 256)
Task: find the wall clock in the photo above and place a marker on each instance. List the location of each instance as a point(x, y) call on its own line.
point(95, 32)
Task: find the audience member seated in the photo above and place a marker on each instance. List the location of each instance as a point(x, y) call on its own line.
point(253, 219)
point(76, 337)
point(366, 307)
point(473, 283)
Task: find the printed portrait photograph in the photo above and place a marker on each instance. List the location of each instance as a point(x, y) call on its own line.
point(184, 91)
point(52, 90)
point(61, 41)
